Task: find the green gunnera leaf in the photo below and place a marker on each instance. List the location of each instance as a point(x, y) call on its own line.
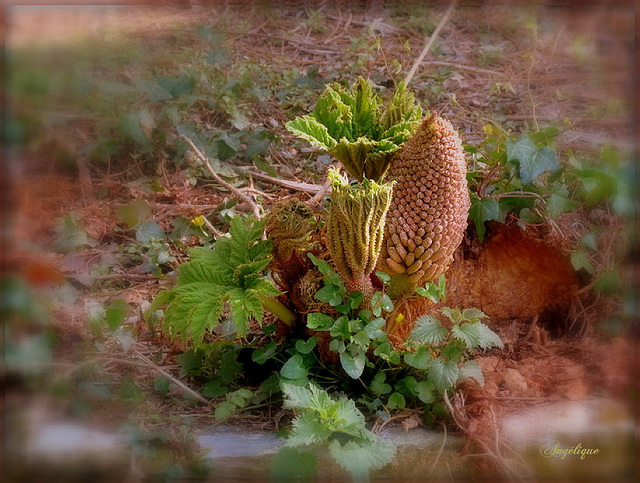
point(229, 274)
point(357, 128)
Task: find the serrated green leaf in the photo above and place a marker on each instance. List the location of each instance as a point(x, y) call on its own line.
point(488, 338)
point(307, 429)
point(454, 315)
point(363, 456)
point(473, 315)
point(243, 305)
point(468, 333)
point(471, 369)
point(428, 330)
point(443, 374)
point(307, 128)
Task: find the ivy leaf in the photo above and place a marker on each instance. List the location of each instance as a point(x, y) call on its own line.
point(214, 389)
point(559, 203)
point(134, 212)
point(522, 149)
point(580, 260)
point(353, 361)
point(428, 330)
point(224, 410)
point(544, 159)
point(481, 210)
point(443, 374)
point(149, 231)
point(421, 359)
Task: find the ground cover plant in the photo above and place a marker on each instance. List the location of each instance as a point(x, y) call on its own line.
point(257, 229)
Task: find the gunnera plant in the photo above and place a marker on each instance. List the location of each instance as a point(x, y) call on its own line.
point(363, 133)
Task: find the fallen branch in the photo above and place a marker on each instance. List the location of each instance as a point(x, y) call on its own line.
point(205, 161)
point(429, 43)
point(310, 188)
point(177, 382)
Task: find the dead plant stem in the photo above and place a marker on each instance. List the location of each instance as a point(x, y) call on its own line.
point(177, 382)
point(205, 161)
point(429, 42)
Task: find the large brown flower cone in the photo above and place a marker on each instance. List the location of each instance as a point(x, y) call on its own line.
point(428, 213)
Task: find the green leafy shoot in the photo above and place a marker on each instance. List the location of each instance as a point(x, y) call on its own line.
point(435, 292)
point(231, 273)
point(323, 419)
point(357, 128)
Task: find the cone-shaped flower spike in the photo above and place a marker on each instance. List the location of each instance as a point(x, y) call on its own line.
point(428, 214)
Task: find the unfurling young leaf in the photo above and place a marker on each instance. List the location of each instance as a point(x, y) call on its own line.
point(356, 127)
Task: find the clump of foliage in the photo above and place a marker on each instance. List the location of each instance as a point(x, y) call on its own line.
point(231, 272)
point(341, 342)
point(323, 419)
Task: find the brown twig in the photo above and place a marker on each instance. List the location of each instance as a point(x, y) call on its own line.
point(177, 382)
point(429, 43)
point(287, 183)
point(205, 161)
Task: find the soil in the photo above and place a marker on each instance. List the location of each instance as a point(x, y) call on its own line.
point(545, 312)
